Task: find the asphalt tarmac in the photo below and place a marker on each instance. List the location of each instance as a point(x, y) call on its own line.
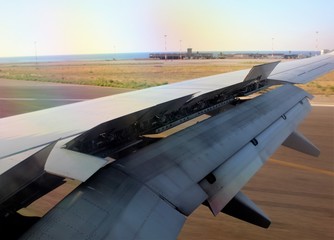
point(18, 97)
point(295, 190)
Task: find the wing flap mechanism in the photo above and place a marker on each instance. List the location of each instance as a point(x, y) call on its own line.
point(71, 164)
point(300, 143)
point(232, 146)
point(223, 184)
point(22, 185)
point(243, 208)
point(110, 139)
point(162, 181)
point(110, 205)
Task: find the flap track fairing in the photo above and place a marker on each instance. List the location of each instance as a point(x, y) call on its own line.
point(299, 142)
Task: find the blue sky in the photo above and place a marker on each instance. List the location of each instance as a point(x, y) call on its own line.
point(105, 26)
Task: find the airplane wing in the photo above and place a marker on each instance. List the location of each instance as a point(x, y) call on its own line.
point(137, 184)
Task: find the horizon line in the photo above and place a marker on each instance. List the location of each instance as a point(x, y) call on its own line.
point(115, 53)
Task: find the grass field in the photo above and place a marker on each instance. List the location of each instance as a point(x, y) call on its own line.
point(138, 74)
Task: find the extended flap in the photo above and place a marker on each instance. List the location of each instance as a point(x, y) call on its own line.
point(227, 180)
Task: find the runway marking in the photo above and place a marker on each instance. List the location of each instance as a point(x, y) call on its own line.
point(322, 105)
point(302, 167)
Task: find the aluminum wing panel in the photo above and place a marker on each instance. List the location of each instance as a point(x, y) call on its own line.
point(304, 70)
point(161, 180)
point(111, 205)
point(173, 166)
point(147, 194)
point(233, 174)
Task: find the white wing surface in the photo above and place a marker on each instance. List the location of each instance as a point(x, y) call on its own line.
point(138, 186)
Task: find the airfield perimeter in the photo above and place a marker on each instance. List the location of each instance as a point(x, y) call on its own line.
point(296, 191)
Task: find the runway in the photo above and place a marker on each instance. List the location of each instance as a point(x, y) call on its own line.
point(18, 97)
point(295, 190)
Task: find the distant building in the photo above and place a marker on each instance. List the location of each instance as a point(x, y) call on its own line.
point(290, 56)
point(324, 51)
point(182, 55)
point(189, 54)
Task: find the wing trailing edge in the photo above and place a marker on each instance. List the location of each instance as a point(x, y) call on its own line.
point(153, 188)
point(223, 185)
point(110, 205)
point(165, 181)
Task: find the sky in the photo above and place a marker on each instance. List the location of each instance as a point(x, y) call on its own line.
point(59, 27)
